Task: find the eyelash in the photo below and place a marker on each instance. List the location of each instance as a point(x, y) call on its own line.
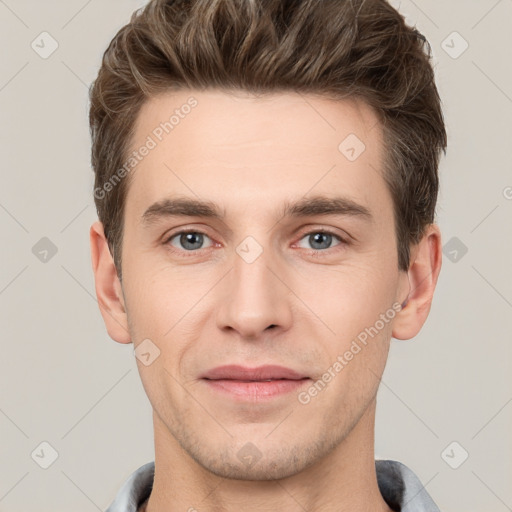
point(313, 252)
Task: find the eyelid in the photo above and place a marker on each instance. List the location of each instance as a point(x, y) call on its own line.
point(322, 229)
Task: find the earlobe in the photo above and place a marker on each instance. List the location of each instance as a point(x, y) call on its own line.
point(108, 287)
point(424, 269)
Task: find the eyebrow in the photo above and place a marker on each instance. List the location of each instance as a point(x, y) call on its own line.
point(306, 207)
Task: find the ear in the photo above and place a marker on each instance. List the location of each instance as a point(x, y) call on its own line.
point(108, 287)
point(423, 272)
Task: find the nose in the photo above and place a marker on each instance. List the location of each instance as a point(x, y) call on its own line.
point(255, 297)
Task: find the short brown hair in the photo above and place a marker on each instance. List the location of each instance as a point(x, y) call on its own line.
point(361, 49)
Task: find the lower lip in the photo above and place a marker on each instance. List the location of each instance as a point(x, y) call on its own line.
point(256, 390)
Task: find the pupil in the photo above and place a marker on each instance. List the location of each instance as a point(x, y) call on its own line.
point(191, 239)
point(317, 238)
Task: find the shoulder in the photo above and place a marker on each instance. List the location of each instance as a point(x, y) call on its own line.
point(402, 489)
point(135, 490)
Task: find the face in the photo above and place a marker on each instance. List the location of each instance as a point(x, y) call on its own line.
point(293, 263)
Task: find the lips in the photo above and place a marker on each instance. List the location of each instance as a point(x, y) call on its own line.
point(245, 374)
point(253, 385)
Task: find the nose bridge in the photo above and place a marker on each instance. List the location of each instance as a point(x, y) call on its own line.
point(255, 298)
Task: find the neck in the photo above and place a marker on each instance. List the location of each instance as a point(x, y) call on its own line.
point(342, 481)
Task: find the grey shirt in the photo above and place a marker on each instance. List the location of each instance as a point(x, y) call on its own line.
point(399, 486)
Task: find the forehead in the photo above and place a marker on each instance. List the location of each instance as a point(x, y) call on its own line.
point(213, 143)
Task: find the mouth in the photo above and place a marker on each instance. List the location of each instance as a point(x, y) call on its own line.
point(259, 374)
point(254, 384)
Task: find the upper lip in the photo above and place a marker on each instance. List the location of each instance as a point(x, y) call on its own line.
point(236, 372)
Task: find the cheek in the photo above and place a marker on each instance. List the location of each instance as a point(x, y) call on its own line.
point(166, 305)
point(349, 298)
point(162, 308)
point(350, 302)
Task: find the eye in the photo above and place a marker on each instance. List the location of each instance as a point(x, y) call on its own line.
point(192, 241)
point(188, 240)
point(321, 240)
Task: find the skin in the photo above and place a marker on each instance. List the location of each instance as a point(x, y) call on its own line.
point(210, 307)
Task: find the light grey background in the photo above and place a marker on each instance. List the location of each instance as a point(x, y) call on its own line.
point(65, 382)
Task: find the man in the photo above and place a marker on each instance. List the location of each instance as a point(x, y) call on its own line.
point(266, 181)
